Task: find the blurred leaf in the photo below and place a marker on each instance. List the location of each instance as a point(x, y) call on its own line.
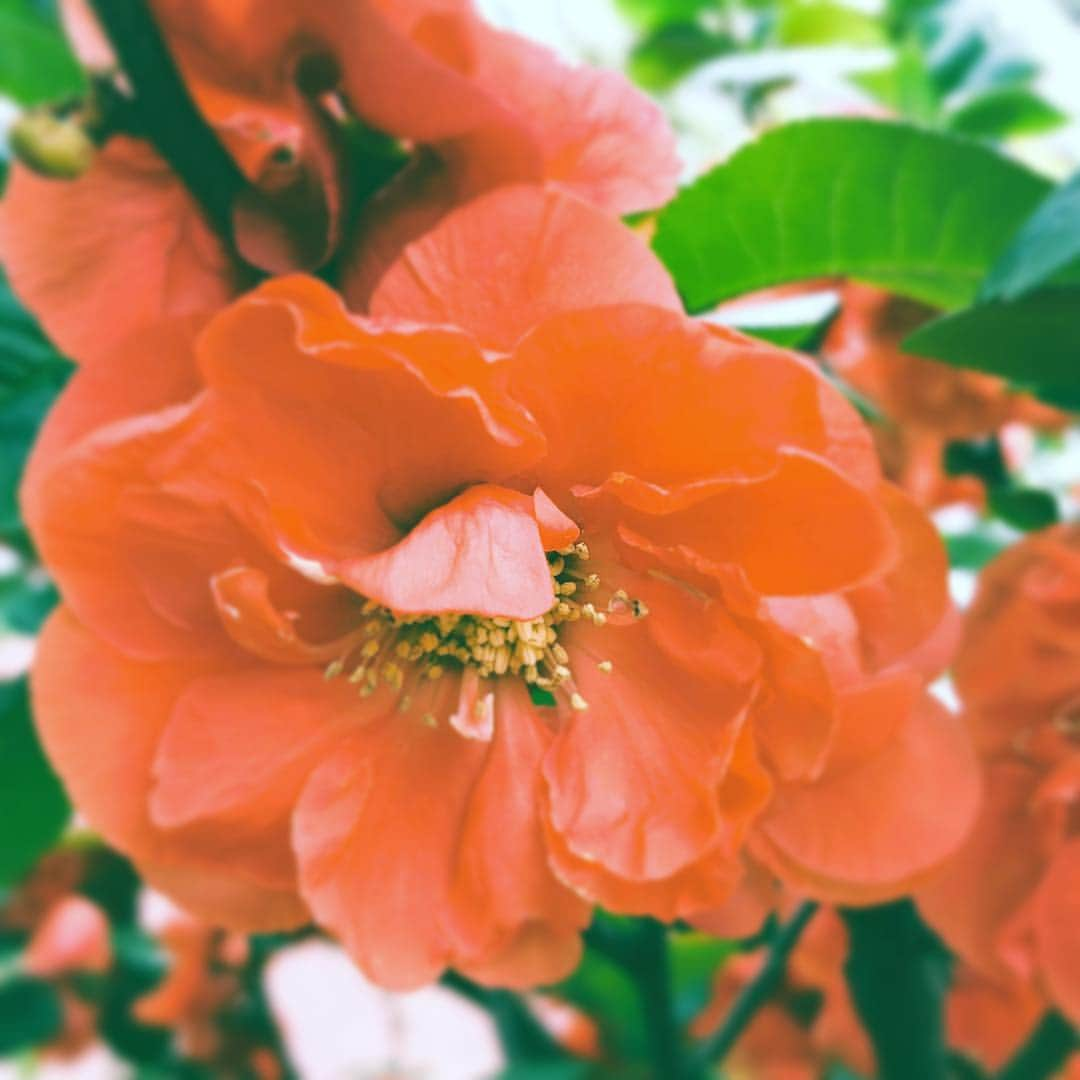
point(1065, 397)
point(667, 54)
point(602, 990)
point(956, 67)
point(882, 202)
point(972, 551)
point(1024, 508)
point(1006, 112)
point(33, 806)
point(907, 87)
point(26, 598)
point(558, 1070)
point(30, 1014)
point(36, 64)
point(31, 375)
point(695, 960)
point(1047, 243)
point(898, 974)
point(1032, 341)
point(649, 15)
point(826, 22)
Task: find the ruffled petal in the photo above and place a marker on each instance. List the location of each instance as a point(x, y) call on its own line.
point(914, 801)
point(118, 249)
point(632, 780)
point(479, 554)
point(971, 899)
point(351, 430)
point(602, 384)
point(505, 262)
point(105, 760)
point(1057, 929)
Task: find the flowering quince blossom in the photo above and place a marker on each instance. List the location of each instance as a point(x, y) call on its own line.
point(521, 594)
point(1009, 901)
point(281, 82)
point(926, 403)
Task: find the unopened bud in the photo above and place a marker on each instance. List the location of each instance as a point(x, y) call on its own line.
point(51, 145)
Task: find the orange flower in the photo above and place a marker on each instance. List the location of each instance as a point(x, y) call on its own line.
point(809, 1024)
point(926, 403)
point(280, 81)
point(1009, 902)
point(525, 593)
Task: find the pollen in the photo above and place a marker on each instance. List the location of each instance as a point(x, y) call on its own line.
point(403, 651)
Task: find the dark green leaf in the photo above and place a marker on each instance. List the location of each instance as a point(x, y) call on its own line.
point(695, 960)
point(886, 203)
point(1046, 244)
point(1025, 508)
point(31, 375)
point(1032, 341)
point(602, 990)
point(33, 806)
point(957, 66)
point(972, 551)
point(1010, 111)
point(898, 974)
point(666, 55)
point(30, 1014)
point(557, 1070)
point(36, 64)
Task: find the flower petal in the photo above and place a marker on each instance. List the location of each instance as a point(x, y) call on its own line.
point(1057, 929)
point(115, 250)
point(914, 801)
point(105, 758)
point(503, 263)
point(478, 554)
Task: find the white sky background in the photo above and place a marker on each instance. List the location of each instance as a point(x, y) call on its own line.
point(1037, 30)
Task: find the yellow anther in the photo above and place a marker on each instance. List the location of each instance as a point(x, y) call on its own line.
point(578, 703)
point(606, 666)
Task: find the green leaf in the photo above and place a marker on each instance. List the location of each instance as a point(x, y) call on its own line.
point(957, 66)
point(1047, 243)
point(33, 806)
point(972, 551)
point(886, 203)
point(31, 375)
point(30, 1014)
point(649, 15)
point(556, 1070)
point(907, 87)
point(1004, 113)
point(695, 960)
point(662, 58)
point(1025, 508)
point(825, 22)
point(36, 64)
point(602, 990)
point(1032, 341)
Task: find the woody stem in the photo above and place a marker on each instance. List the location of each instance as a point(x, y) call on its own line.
point(898, 975)
point(714, 1049)
point(521, 1035)
point(166, 114)
point(1045, 1053)
point(641, 951)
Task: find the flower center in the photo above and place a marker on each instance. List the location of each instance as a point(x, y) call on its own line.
point(401, 651)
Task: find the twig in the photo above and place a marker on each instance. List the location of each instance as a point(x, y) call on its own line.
point(166, 113)
point(714, 1049)
point(1045, 1052)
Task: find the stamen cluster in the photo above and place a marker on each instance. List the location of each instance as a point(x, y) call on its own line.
point(401, 651)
